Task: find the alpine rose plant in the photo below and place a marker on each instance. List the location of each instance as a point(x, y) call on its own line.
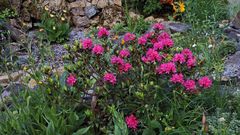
point(137, 76)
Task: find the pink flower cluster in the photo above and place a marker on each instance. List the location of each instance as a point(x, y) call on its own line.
point(124, 53)
point(110, 77)
point(103, 32)
point(177, 78)
point(163, 35)
point(129, 37)
point(158, 26)
point(205, 82)
point(123, 66)
point(151, 56)
point(117, 60)
point(178, 57)
point(98, 50)
point(142, 40)
point(71, 80)
point(166, 68)
point(132, 122)
point(87, 43)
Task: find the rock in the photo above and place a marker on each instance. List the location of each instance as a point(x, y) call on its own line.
point(150, 18)
point(32, 35)
point(55, 3)
point(76, 34)
point(77, 11)
point(81, 21)
point(111, 15)
point(117, 2)
point(100, 3)
point(77, 4)
point(233, 33)
point(22, 60)
point(15, 34)
point(232, 66)
point(90, 11)
point(159, 19)
point(236, 22)
point(4, 4)
point(95, 21)
point(16, 5)
point(134, 15)
point(14, 88)
point(5, 79)
point(178, 27)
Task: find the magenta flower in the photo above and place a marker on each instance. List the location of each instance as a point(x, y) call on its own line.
point(71, 80)
point(191, 62)
point(110, 77)
point(166, 68)
point(178, 57)
point(190, 85)
point(158, 26)
point(147, 35)
point(129, 37)
point(153, 41)
point(103, 32)
point(187, 52)
point(177, 78)
point(124, 67)
point(205, 82)
point(124, 53)
point(144, 59)
point(117, 60)
point(168, 42)
point(131, 122)
point(142, 40)
point(164, 35)
point(153, 56)
point(98, 49)
point(87, 43)
point(158, 46)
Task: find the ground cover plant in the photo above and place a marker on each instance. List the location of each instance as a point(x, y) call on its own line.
point(143, 77)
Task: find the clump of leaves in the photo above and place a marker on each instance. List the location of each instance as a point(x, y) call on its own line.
point(53, 28)
point(7, 13)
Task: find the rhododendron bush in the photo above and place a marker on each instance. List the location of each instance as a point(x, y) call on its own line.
point(141, 75)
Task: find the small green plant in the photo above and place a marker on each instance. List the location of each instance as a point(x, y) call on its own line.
point(7, 13)
point(224, 123)
point(54, 28)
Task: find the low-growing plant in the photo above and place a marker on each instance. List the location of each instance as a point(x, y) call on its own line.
point(139, 76)
point(7, 13)
point(54, 28)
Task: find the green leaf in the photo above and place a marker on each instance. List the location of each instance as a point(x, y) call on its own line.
point(154, 124)
point(148, 132)
point(82, 131)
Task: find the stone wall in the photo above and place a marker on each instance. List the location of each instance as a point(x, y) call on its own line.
point(81, 13)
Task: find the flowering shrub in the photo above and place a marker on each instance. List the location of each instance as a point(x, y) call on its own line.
point(137, 74)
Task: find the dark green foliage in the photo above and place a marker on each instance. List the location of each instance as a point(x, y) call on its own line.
point(146, 7)
point(7, 13)
point(53, 29)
